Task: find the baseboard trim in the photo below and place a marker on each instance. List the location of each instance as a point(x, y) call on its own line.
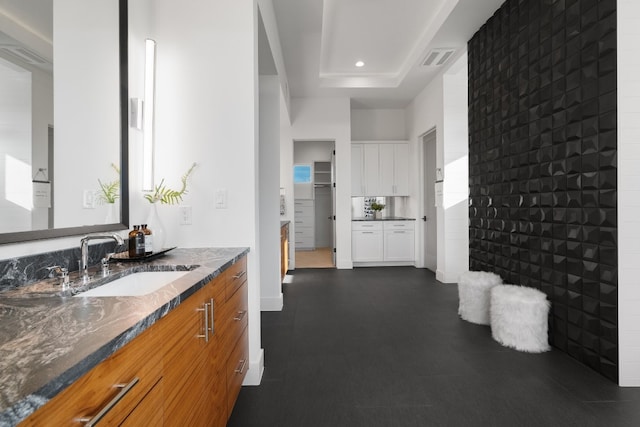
point(272, 304)
point(344, 265)
point(385, 264)
point(256, 369)
point(447, 276)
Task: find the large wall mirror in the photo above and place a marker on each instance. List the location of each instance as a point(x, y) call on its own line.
point(63, 118)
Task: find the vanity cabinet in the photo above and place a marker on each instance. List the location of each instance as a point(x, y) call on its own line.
point(284, 250)
point(186, 369)
point(127, 388)
point(193, 389)
point(380, 169)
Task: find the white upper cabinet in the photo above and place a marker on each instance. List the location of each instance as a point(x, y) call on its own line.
point(357, 170)
point(380, 169)
point(371, 168)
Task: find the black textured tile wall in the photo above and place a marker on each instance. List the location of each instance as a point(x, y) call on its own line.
point(542, 164)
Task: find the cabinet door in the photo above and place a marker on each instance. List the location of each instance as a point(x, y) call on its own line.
point(371, 170)
point(149, 412)
point(366, 246)
point(185, 362)
point(357, 170)
point(387, 170)
point(399, 245)
point(138, 365)
point(401, 170)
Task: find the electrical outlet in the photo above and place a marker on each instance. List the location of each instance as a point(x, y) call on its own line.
point(185, 215)
point(221, 199)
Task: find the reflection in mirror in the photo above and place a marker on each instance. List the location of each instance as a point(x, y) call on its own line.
point(76, 182)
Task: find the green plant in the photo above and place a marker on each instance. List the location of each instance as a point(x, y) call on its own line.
point(168, 196)
point(110, 191)
point(377, 206)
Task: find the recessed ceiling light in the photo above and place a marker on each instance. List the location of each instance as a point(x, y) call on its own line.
point(359, 64)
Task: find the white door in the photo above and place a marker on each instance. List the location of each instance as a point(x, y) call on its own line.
point(430, 240)
point(333, 205)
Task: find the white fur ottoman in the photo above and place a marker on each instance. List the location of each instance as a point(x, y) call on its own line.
point(519, 318)
point(474, 289)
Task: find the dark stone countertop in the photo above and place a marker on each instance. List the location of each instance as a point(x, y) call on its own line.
point(390, 218)
point(49, 339)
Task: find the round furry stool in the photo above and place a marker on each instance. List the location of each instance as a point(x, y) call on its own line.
point(519, 318)
point(474, 294)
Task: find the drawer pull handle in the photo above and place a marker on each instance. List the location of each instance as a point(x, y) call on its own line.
point(239, 275)
point(240, 315)
point(90, 422)
point(242, 365)
point(367, 232)
point(398, 232)
point(211, 316)
point(206, 322)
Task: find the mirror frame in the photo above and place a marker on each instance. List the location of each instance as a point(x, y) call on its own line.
point(26, 236)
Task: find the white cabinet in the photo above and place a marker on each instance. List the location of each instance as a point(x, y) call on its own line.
point(380, 169)
point(399, 241)
point(357, 170)
point(304, 213)
point(367, 241)
point(383, 242)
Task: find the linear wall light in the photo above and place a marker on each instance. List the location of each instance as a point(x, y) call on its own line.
point(148, 115)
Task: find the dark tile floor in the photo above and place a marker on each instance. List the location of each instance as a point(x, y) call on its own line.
point(385, 347)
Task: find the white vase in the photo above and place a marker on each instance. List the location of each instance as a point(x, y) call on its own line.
point(157, 229)
point(111, 214)
point(377, 214)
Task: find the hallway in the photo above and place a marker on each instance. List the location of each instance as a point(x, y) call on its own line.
point(385, 347)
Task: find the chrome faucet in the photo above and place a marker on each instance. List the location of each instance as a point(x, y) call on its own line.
point(84, 251)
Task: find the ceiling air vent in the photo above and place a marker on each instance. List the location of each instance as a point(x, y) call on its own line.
point(437, 57)
point(24, 54)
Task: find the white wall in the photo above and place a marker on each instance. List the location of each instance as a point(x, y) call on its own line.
point(442, 105)
point(424, 114)
point(325, 119)
point(378, 124)
point(456, 173)
point(206, 111)
point(312, 151)
point(271, 298)
point(286, 173)
point(628, 15)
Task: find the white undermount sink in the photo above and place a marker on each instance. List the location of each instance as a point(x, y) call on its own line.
point(134, 284)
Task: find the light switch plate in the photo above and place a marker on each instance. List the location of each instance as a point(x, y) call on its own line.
point(221, 199)
point(88, 199)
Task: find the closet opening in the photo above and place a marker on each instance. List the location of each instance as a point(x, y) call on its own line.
point(314, 205)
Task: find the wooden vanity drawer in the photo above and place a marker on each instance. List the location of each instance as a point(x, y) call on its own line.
point(234, 318)
point(131, 372)
point(237, 366)
point(235, 276)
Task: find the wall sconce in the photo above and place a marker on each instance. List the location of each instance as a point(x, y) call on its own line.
point(148, 114)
